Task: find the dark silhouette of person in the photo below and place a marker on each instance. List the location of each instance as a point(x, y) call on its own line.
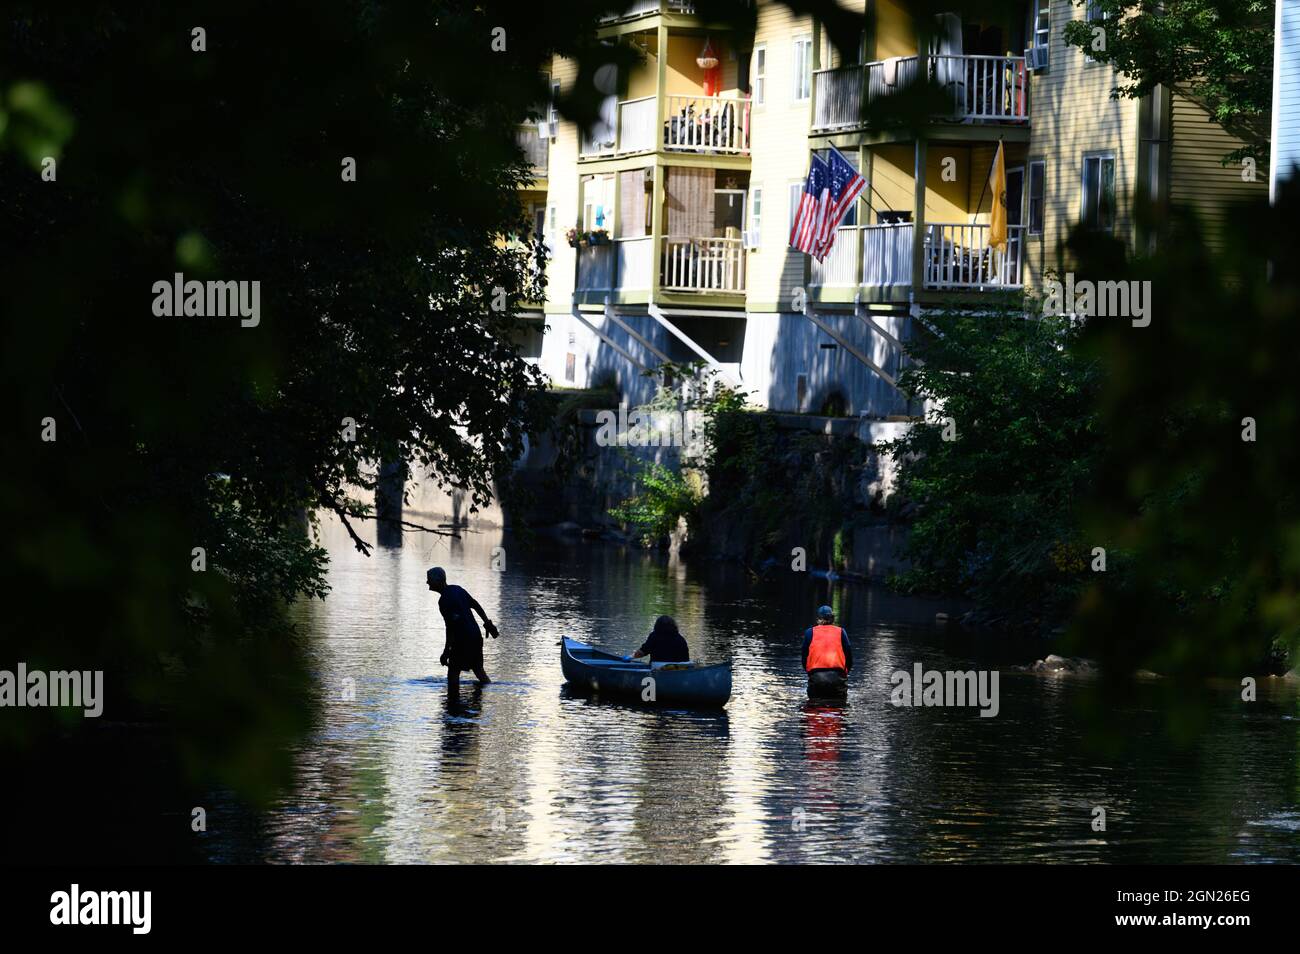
point(665, 643)
point(463, 650)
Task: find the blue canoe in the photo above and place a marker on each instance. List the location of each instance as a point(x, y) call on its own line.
point(675, 684)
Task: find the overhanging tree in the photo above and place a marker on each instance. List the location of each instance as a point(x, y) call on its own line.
point(1218, 52)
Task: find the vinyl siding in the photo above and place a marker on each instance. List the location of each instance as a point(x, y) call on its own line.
point(562, 194)
point(1072, 114)
point(1197, 176)
point(1286, 89)
point(780, 157)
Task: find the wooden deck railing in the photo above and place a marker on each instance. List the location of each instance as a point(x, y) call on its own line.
point(707, 124)
point(959, 256)
point(640, 8)
point(978, 88)
point(714, 265)
point(877, 255)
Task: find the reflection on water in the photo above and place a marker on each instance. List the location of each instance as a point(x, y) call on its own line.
point(521, 770)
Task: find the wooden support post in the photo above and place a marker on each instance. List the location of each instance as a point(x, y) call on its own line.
point(657, 169)
point(918, 218)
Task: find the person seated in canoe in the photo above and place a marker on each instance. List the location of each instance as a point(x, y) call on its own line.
point(827, 657)
point(463, 650)
point(665, 643)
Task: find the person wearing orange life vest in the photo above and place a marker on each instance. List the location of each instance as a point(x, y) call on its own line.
point(827, 656)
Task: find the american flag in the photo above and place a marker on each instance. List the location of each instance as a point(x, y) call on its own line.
point(813, 204)
point(846, 184)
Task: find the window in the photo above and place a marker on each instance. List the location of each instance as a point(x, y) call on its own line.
point(1040, 34)
point(796, 193)
point(755, 210)
point(1099, 192)
point(1037, 195)
point(1042, 23)
point(598, 203)
point(802, 68)
point(728, 213)
point(760, 75)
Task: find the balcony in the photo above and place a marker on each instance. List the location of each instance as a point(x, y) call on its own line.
point(645, 8)
point(686, 265)
point(959, 256)
point(875, 255)
point(699, 124)
point(956, 257)
point(713, 265)
point(979, 89)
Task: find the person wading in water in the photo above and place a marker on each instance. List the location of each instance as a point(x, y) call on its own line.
point(827, 656)
point(464, 648)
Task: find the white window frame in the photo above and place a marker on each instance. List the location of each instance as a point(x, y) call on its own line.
point(1029, 198)
point(1100, 156)
point(1040, 29)
point(744, 204)
point(1042, 34)
point(802, 93)
point(794, 191)
point(758, 71)
point(756, 208)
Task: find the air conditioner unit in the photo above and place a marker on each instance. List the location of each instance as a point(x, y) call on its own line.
point(749, 238)
point(1036, 58)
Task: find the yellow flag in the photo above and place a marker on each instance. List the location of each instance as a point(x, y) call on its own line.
point(998, 218)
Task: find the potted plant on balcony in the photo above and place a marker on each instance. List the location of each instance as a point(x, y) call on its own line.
point(598, 236)
point(575, 238)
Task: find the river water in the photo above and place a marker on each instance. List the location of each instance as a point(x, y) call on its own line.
point(524, 771)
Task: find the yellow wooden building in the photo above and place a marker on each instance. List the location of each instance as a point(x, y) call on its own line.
point(667, 222)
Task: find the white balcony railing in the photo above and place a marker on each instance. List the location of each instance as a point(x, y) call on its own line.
point(634, 130)
point(635, 262)
point(959, 256)
point(707, 124)
point(636, 125)
point(640, 8)
point(711, 124)
point(887, 254)
point(978, 88)
point(876, 255)
point(840, 266)
point(714, 265)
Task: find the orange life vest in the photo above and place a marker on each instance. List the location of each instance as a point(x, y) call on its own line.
point(826, 651)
